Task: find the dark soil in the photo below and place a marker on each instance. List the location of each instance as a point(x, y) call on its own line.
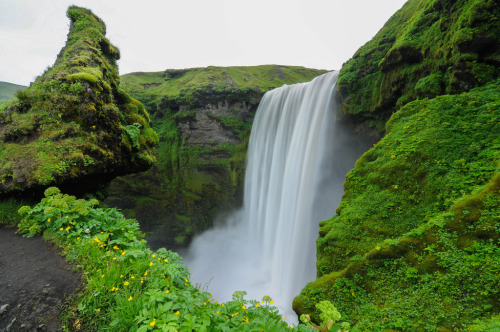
point(35, 281)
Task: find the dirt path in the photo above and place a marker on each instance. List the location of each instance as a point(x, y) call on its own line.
point(34, 282)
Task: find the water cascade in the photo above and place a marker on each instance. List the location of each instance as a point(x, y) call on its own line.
point(297, 158)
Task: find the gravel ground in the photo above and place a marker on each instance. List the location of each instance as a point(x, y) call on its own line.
point(34, 283)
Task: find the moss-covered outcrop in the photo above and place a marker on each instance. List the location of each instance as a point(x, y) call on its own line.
point(74, 126)
point(415, 243)
point(428, 48)
point(203, 118)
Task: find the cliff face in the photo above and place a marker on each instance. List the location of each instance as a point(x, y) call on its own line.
point(415, 241)
point(203, 118)
point(428, 48)
point(74, 127)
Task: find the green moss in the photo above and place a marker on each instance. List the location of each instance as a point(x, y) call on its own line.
point(71, 122)
point(418, 217)
point(428, 47)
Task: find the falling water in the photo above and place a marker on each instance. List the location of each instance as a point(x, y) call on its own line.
point(297, 159)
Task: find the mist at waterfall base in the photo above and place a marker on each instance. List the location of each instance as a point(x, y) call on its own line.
point(297, 159)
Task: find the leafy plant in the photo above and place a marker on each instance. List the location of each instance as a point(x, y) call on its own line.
point(129, 286)
point(329, 316)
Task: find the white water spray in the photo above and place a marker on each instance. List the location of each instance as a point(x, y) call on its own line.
point(296, 163)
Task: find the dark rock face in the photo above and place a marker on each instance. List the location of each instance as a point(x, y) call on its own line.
point(74, 127)
point(206, 129)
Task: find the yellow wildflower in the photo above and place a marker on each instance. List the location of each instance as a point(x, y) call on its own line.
point(126, 283)
point(167, 291)
point(150, 263)
point(152, 324)
point(177, 312)
point(146, 273)
point(130, 298)
point(114, 258)
point(116, 248)
point(48, 220)
point(61, 229)
point(166, 260)
point(154, 255)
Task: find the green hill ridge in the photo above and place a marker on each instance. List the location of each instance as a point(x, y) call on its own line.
point(74, 126)
point(8, 91)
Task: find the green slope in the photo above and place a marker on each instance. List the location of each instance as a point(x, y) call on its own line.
point(197, 87)
point(414, 245)
point(8, 90)
point(427, 48)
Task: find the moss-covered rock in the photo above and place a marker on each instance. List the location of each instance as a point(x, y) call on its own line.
point(203, 118)
point(74, 126)
point(415, 242)
point(427, 48)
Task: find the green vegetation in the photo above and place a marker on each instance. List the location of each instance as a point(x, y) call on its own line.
point(428, 48)
point(415, 242)
point(128, 287)
point(199, 173)
point(8, 211)
point(198, 87)
point(8, 91)
point(71, 123)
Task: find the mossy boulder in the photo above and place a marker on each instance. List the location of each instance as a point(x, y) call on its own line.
point(453, 45)
point(74, 127)
point(203, 117)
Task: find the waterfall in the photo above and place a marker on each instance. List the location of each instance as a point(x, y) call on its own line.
point(297, 159)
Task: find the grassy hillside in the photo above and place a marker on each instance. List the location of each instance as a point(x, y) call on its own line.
point(196, 87)
point(8, 91)
point(203, 119)
point(414, 245)
point(74, 126)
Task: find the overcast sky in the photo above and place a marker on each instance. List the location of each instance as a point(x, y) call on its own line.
point(154, 35)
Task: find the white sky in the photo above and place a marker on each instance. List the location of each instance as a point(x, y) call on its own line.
point(154, 35)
